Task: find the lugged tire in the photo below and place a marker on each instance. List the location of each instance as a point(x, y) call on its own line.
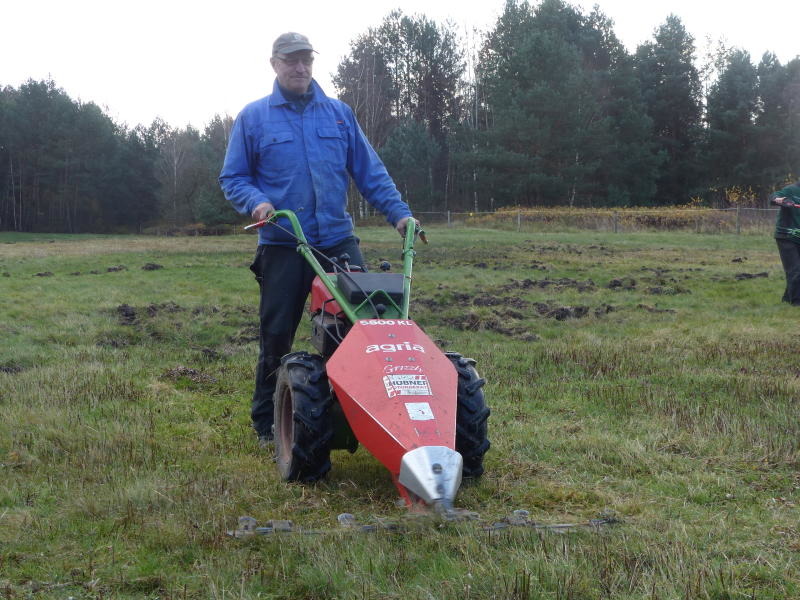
point(471, 416)
point(303, 424)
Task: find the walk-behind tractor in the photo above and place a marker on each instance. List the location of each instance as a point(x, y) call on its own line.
point(379, 381)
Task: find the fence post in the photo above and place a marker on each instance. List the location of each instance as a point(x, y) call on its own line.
point(615, 222)
point(738, 221)
point(449, 224)
point(519, 220)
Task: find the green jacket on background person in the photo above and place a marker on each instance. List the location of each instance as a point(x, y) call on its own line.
point(788, 218)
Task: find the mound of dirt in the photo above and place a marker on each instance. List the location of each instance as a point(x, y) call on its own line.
point(245, 335)
point(666, 290)
point(604, 309)
point(487, 300)
point(168, 307)
point(127, 314)
point(653, 309)
point(624, 283)
point(111, 342)
point(472, 321)
point(561, 313)
point(210, 354)
point(192, 375)
point(564, 282)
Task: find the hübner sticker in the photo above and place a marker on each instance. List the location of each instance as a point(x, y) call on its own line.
point(419, 411)
point(406, 385)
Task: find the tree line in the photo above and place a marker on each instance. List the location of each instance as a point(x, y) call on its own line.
point(546, 108)
point(66, 166)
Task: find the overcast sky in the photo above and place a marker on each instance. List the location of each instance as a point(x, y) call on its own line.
point(186, 61)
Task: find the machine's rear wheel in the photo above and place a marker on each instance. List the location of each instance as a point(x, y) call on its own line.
point(303, 424)
point(471, 416)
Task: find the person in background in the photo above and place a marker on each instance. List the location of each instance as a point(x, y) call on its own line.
point(297, 149)
point(787, 236)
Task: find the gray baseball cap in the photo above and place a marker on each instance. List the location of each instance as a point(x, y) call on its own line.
point(291, 42)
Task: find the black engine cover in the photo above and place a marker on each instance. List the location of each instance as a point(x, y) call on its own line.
point(357, 286)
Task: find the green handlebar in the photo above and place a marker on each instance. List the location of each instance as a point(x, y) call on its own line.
point(408, 263)
point(305, 249)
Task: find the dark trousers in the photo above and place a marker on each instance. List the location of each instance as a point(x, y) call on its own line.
point(790, 259)
point(284, 277)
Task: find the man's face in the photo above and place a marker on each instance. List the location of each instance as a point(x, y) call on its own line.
point(294, 70)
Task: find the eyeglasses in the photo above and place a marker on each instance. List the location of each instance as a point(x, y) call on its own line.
point(293, 61)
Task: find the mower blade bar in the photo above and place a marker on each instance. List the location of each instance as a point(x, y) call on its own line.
point(248, 527)
point(519, 518)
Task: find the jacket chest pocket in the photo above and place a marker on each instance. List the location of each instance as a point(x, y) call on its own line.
point(333, 145)
point(277, 152)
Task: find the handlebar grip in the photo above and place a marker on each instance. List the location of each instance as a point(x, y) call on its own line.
point(257, 225)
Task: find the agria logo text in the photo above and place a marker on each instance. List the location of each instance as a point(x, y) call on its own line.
point(408, 346)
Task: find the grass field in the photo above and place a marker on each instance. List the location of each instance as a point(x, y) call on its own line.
point(654, 377)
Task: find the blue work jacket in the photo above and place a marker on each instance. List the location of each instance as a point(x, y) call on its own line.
point(301, 161)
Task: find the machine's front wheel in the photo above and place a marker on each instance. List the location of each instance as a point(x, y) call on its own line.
point(471, 416)
point(303, 424)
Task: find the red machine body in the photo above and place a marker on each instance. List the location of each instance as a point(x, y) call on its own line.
point(321, 299)
point(402, 398)
point(396, 388)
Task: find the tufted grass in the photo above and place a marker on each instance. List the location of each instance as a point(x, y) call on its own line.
point(652, 376)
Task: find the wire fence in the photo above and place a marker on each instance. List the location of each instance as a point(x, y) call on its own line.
point(698, 220)
point(740, 220)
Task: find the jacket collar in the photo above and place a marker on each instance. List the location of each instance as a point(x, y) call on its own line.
point(277, 98)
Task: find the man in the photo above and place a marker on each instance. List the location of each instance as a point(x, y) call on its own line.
point(787, 236)
point(296, 149)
